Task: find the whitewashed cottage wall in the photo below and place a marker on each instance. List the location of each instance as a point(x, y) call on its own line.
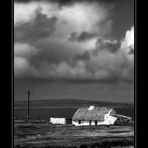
point(58, 120)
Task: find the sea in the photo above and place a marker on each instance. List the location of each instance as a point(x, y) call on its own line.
point(44, 113)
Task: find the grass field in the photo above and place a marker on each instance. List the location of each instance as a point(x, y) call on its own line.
point(69, 136)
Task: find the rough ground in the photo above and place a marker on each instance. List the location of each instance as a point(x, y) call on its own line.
point(68, 136)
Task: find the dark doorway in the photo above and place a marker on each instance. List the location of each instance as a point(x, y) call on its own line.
point(79, 121)
point(90, 122)
point(95, 122)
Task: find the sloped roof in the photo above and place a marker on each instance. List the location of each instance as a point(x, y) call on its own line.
point(95, 114)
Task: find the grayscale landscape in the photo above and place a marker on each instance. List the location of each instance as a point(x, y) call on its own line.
point(41, 134)
point(74, 74)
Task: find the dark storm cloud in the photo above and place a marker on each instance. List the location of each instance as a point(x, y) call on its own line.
point(68, 43)
point(84, 56)
point(70, 1)
point(101, 64)
point(89, 54)
point(40, 27)
point(84, 36)
point(111, 46)
point(53, 53)
point(101, 44)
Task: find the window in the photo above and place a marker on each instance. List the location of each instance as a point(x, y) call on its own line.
point(79, 121)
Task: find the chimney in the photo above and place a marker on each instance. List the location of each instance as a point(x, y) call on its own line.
point(91, 107)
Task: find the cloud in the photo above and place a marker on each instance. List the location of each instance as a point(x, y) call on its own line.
point(76, 71)
point(108, 61)
point(39, 28)
point(24, 13)
point(70, 42)
point(84, 36)
point(115, 66)
point(112, 59)
point(91, 17)
point(68, 2)
point(24, 50)
point(48, 28)
point(22, 68)
point(105, 66)
point(90, 14)
point(128, 42)
point(105, 44)
point(47, 23)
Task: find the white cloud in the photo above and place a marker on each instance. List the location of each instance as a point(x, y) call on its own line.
point(22, 53)
point(81, 17)
point(26, 12)
point(24, 50)
point(128, 41)
point(75, 18)
point(23, 68)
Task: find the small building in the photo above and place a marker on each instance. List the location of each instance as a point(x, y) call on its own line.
point(64, 116)
point(58, 120)
point(94, 116)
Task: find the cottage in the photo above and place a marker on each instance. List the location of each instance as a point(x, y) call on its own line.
point(94, 116)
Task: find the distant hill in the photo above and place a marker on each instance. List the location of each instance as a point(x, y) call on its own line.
point(67, 103)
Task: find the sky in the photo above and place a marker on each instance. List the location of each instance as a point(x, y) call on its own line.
point(81, 49)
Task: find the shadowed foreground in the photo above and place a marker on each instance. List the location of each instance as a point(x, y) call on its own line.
point(68, 136)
